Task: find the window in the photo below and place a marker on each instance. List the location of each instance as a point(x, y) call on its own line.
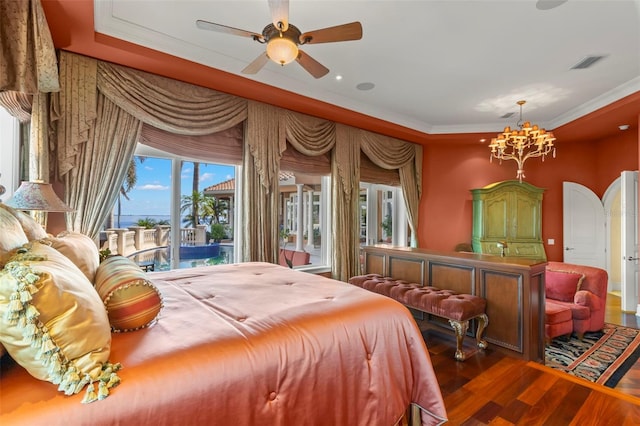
point(383, 217)
point(304, 220)
point(195, 206)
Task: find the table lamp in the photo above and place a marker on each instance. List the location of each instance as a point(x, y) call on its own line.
point(37, 196)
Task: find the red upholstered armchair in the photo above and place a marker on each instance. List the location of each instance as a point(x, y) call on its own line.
point(582, 290)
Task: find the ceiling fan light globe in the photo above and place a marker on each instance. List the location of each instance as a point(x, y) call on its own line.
point(281, 50)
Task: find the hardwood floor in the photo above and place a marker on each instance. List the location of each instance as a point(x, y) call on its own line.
point(490, 388)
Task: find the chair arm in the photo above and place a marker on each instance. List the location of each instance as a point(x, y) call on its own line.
point(588, 299)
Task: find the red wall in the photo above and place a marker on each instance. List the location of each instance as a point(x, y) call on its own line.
point(450, 171)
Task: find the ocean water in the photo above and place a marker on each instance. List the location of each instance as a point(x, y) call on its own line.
point(130, 220)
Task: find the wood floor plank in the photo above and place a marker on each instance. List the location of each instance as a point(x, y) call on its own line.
point(547, 404)
point(533, 393)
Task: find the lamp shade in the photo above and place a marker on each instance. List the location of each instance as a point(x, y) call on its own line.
point(282, 50)
point(37, 196)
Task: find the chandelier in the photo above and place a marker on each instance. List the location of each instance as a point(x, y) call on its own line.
point(520, 145)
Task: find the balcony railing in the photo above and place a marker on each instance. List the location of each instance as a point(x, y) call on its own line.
point(125, 241)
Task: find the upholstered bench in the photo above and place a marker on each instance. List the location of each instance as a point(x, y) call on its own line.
point(459, 309)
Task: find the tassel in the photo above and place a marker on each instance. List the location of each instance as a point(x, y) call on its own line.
point(106, 373)
point(15, 305)
point(22, 323)
point(47, 345)
point(11, 317)
point(25, 296)
point(82, 383)
point(31, 278)
point(114, 381)
point(69, 381)
point(103, 391)
point(29, 331)
point(32, 289)
point(32, 312)
point(90, 395)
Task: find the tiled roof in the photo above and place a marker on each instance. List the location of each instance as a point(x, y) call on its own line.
point(227, 185)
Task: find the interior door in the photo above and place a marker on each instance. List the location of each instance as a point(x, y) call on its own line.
point(629, 240)
point(583, 226)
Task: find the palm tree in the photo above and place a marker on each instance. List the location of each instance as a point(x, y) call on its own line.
point(213, 208)
point(194, 203)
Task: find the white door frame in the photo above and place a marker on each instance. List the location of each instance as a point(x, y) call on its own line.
point(629, 241)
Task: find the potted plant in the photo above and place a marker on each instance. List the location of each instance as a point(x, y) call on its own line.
point(387, 227)
point(218, 233)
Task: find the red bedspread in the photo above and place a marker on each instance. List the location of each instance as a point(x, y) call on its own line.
point(252, 344)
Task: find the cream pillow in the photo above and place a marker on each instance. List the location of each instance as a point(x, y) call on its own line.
point(79, 248)
point(12, 236)
point(53, 323)
point(32, 229)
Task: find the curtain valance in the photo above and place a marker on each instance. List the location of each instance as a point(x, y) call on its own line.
point(168, 104)
point(221, 147)
point(309, 135)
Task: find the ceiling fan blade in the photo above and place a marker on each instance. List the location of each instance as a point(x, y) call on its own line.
point(279, 13)
point(206, 25)
point(312, 66)
point(257, 64)
point(345, 32)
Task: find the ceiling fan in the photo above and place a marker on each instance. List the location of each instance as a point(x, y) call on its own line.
point(282, 39)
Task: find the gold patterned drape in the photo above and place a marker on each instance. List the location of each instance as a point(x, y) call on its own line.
point(345, 183)
point(29, 62)
point(264, 144)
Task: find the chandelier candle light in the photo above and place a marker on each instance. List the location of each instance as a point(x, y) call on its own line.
point(520, 145)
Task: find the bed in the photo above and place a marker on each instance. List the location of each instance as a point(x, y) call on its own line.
point(251, 344)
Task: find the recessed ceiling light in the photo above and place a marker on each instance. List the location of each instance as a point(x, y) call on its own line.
point(623, 127)
point(365, 86)
point(483, 140)
point(338, 77)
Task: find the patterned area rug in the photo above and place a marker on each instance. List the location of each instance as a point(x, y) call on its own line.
point(601, 357)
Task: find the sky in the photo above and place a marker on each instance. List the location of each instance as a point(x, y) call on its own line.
point(152, 194)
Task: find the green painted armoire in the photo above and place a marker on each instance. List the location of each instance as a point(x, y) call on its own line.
point(507, 220)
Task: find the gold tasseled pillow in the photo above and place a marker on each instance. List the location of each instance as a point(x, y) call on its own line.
point(132, 301)
point(79, 248)
point(53, 323)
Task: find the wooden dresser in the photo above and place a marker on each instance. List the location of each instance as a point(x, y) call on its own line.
point(513, 287)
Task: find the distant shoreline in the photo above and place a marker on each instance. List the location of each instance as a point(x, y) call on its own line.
point(127, 220)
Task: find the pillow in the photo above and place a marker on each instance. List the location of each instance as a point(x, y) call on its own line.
point(12, 235)
point(32, 229)
point(562, 285)
point(79, 248)
point(53, 323)
point(132, 301)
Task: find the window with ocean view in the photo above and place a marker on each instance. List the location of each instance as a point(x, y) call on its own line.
point(202, 199)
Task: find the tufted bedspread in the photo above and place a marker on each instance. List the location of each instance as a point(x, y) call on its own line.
point(252, 344)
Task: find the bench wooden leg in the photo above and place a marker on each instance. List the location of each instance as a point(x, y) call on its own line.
point(460, 327)
point(482, 324)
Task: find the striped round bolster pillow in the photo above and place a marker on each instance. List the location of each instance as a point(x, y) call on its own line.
point(132, 301)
